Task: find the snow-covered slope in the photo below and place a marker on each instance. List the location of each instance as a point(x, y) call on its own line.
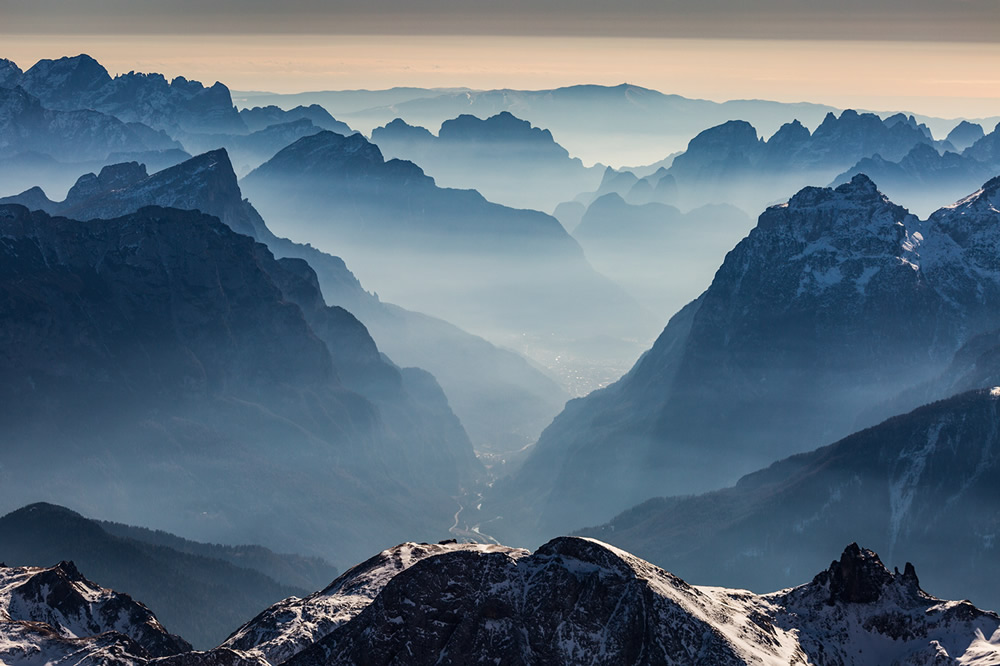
point(294, 624)
point(57, 608)
point(573, 601)
point(580, 601)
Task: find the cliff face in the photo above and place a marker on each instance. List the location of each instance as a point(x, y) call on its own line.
point(192, 359)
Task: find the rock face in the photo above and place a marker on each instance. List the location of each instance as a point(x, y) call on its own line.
point(10, 73)
point(523, 276)
point(581, 601)
point(923, 484)
point(503, 157)
point(55, 615)
point(40, 146)
point(62, 598)
point(165, 327)
point(27, 126)
point(288, 627)
point(206, 183)
point(81, 82)
point(836, 301)
point(501, 399)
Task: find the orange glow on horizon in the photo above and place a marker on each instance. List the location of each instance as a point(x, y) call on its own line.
point(940, 79)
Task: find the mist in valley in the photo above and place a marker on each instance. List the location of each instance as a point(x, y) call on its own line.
point(327, 323)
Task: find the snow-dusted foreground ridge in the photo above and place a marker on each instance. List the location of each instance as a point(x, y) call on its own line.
point(55, 615)
point(573, 601)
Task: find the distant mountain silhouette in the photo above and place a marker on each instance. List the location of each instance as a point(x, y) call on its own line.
point(80, 82)
point(262, 117)
point(662, 257)
point(965, 134)
point(923, 177)
point(271, 129)
point(628, 123)
point(504, 158)
point(730, 164)
point(40, 145)
point(505, 273)
point(248, 151)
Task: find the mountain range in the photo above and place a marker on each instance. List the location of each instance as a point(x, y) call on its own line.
point(502, 157)
point(523, 279)
point(661, 256)
point(621, 125)
point(191, 373)
point(924, 176)
point(174, 374)
point(503, 401)
point(49, 147)
point(834, 302)
point(729, 163)
point(76, 98)
point(572, 601)
point(80, 82)
point(629, 123)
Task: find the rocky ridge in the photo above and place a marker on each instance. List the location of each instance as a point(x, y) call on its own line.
point(578, 600)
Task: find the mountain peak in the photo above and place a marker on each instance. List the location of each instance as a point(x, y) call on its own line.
point(10, 73)
point(859, 190)
point(858, 577)
point(64, 598)
point(68, 75)
point(330, 143)
point(112, 177)
point(503, 126)
point(68, 569)
point(38, 509)
point(859, 186)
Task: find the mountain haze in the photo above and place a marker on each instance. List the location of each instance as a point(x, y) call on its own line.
point(835, 301)
point(503, 401)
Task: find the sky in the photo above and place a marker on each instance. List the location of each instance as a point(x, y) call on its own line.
point(907, 20)
point(937, 58)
